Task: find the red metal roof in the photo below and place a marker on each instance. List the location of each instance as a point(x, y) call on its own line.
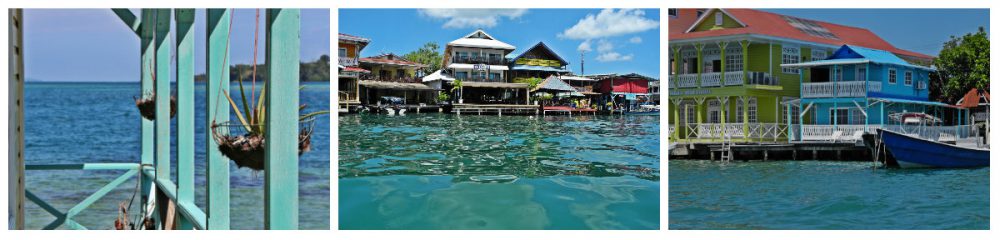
point(972, 98)
point(390, 59)
point(355, 69)
point(772, 24)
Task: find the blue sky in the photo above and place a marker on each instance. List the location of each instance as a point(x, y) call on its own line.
point(94, 45)
point(619, 41)
point(919, 30)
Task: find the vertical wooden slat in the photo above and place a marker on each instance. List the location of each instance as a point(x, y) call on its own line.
point(15, 112)
point(217, 73)
point(146, 72)
point(185, 109)
point(162, 89)
point(281, 184)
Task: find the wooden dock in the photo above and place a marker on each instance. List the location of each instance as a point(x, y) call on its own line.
point(565, 110)
point(498, 109)
point(838, 151)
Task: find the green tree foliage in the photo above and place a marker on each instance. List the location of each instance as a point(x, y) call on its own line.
point(315, 71)
point(429, 54)
point(963, 64)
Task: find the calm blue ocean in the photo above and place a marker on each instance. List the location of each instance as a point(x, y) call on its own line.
point(99, 123)
point(438, 171)
point(825, 195)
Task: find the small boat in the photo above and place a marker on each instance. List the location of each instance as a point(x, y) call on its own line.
point(908, 151)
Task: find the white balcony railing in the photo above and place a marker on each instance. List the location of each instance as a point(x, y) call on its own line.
point(757, 131)
point(830, 133)
point(734, 78)
point(839, 89)
point(713, 79)
point(345, 61)
point(852, 133)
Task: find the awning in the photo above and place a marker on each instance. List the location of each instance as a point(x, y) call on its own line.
point(467, 66)
point(356, 69)
point(576, 78)
point(494, 84)
point(537, 68)
point(928, 103)
point(438, 75)
point(395, 85)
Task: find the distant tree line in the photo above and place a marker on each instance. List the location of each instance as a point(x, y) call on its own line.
point(315, 71)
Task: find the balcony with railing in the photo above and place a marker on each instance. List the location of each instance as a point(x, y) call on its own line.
point(719, 79)
point(479, 60)
point(840, 89)
point(346, 61)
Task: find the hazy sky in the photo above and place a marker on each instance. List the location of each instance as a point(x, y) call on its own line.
point(94, 45)
point(919, 30)
point(615, 40)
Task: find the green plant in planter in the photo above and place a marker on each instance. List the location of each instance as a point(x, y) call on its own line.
point(443, 97)
point(245, 144)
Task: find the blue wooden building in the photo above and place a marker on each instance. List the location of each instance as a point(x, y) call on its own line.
point(856, 90)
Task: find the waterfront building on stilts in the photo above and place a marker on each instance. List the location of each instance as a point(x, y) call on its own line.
point(348, 52)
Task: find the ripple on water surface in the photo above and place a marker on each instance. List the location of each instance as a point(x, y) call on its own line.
point(825, 195)
point(441, 171)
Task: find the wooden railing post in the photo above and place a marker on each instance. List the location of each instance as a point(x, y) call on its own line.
point(15, 114)
point(217, 75)
point(185, 109)
point(281, 164)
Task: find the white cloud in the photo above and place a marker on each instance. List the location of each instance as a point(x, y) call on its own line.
point(472, 18)
point(613, 56)
point(604, 46)
point(635, 39)
point(584, 46)
point(610, 23)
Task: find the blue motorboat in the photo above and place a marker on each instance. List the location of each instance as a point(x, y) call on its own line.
point(908, 151)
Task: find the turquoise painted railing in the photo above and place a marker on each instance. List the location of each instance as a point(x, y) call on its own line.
point(281, 134)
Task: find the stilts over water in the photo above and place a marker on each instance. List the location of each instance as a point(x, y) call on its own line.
point(166, 200)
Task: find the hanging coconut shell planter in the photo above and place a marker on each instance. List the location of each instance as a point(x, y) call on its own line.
point(243, 141)
point(246, 149)
point(147, 106)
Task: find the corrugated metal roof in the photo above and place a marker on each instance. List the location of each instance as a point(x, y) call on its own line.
point(776, 25)
point(553, 83)
point(493, 84)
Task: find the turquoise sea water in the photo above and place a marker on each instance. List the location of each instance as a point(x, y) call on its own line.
point(442, 171)
point(68, 123)
point(825, 195)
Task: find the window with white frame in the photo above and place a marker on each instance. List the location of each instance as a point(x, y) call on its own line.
point(795, 114)
point(856, 116)
point(691, 113)
point(734, 59)
point(718, 18)
point(818, 54)
point(839, 116)
point(713, 111)
point(908, 78)
point(342, 52)
point(862, 74)
point(752, 110)
point(892, 76)
point(789, 55)
point(739, 112)
point(672, 12)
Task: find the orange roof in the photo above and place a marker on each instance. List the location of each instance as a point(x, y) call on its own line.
point(775, 25)
point(972, 98)
point(392, 59)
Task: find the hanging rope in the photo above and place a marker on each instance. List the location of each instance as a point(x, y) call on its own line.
point(225, 68)
point(253, 85)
